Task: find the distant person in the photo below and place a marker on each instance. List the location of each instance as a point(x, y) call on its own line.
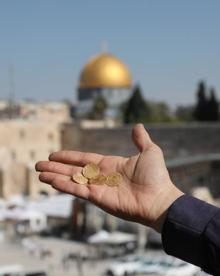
point(190, 227)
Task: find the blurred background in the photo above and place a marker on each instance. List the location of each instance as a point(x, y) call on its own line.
point(78, 75)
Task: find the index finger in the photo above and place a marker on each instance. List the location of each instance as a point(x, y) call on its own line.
point(75, 157)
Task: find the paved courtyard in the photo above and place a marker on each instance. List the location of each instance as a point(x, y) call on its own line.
point(48, 254)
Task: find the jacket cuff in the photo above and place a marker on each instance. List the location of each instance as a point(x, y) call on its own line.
point(182, 233)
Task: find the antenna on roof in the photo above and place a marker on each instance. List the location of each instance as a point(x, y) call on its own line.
point(104, 46)
point(11, 95)
point(11, 80)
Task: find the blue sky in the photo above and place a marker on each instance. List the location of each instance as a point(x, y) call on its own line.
point(168, 45)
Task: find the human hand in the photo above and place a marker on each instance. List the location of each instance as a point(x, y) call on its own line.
point(144, 194)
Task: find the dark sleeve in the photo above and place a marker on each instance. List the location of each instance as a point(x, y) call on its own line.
point(191, 232)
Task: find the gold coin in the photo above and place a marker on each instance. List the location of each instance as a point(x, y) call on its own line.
point(113, 179)
point(79, 178)
point(98, 180)
point(91, 170)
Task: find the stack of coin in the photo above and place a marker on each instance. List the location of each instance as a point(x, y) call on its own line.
point(91, 175)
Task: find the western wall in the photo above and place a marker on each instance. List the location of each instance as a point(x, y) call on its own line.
point(192, 151)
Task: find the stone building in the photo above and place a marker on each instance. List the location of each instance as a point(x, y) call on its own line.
point(54, 111)
point(28, 140)
point(47, 111)
point(24, 141)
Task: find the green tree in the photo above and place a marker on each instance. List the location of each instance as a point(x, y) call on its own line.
point(213, 107)
point(200, 112)
point(136, 109)
point(184, 113)
point(160, 112)
point(98, 109)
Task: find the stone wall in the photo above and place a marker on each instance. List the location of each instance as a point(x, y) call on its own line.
point(175, 140)
point(191, 151)
point(199, 171)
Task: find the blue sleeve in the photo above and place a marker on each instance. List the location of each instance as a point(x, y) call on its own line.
point(191, 232)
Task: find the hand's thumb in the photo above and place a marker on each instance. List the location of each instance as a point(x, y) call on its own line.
point(140, 137)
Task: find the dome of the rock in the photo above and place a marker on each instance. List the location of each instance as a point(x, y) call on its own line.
point(105, 71)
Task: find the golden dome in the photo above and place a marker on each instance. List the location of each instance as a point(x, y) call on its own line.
point(105, 71)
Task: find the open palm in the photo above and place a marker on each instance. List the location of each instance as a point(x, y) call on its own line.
point(139, 196)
